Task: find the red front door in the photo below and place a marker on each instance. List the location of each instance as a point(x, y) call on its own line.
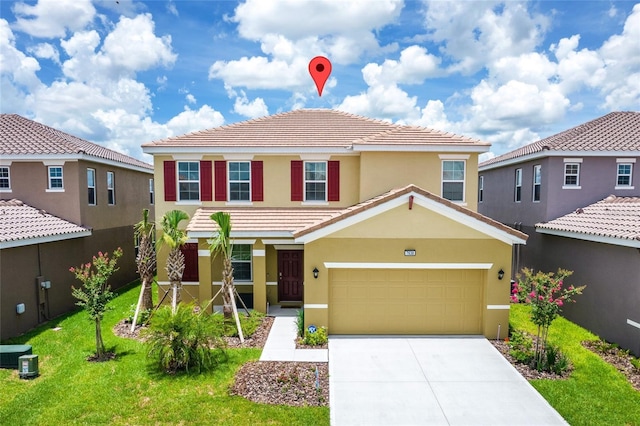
point(290, 275)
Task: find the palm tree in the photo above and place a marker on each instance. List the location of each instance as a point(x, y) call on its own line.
point(221, 244)
point(146, 262)
point(174, 238)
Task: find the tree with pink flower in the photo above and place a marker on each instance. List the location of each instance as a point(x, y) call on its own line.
point(95, 294)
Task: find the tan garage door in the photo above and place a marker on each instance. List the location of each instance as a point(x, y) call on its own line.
point(399, 301)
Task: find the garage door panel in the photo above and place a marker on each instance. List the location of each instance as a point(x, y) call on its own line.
point(405, 302)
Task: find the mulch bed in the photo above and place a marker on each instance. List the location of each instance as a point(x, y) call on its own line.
point(526, 371)
point(620, 359)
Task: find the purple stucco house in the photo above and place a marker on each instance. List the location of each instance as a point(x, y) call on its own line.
point(544, 190)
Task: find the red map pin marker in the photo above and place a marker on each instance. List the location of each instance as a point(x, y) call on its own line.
point(320, 68)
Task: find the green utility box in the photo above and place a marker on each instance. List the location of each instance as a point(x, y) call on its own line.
point(28, 366)
point(9, 354)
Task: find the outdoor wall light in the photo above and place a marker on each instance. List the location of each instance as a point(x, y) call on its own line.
point(315, 273)
point(500, 274)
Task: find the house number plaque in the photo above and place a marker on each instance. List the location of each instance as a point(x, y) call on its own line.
point(409, 252)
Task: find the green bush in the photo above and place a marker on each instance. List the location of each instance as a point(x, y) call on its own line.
point(554, 360)
point(187, 340)
point(300, 322)
point(521, 347)
point(143, 316)
point(316, 339)
point(249, 323)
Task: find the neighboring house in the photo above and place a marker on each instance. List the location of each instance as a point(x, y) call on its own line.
point(564, 173)
point(601, 243)
point(64, 199)
point(368, 225)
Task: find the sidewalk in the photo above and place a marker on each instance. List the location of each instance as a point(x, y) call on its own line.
point(281, 345)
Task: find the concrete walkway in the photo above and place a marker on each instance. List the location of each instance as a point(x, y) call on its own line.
point(405, 380)
point(281, 345)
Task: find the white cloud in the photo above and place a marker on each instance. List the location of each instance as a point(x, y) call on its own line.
point(252, 109)
point(16, 67)
point(383, 102)
point(52, 18)
point(192, 120)
point(171, 8)
point(414, 66)
point(45, 51)
point(258, 72)
point(191, 99)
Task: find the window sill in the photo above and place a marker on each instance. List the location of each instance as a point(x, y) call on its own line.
point(571, 187)
point(617, 188)
point(315, 203)
point(189, 203)
point(54, 190)
point(6, 190)
point(238, 203)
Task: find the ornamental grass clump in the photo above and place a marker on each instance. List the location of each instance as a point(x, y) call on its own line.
point(545, 294)
point(187, 340)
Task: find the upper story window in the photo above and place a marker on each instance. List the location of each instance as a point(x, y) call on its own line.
point(315, 181)
point(55, 178)
point(239, 181)
point(481, 189)
point(152, 198)
point(624, 176)
point(241, 262)
point(517, 197)
point(5, 179)
point(537, 182)
point(111, 188)
point(91, 186)
point(572, 173)
point(188, 180)
point(453, 180)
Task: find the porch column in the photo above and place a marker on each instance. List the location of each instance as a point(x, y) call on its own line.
point(204, 273)
point(259, 277)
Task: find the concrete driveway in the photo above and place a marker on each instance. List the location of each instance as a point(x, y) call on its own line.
point(408, 380)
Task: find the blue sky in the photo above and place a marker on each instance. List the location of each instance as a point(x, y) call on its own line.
point(121, 73)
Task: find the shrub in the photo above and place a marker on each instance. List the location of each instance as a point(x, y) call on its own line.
point(249, 324)
point(521, 347)
point(300, 322)
point(143, 316)
point(186, 340)
point(554, 360)
point(317, 338)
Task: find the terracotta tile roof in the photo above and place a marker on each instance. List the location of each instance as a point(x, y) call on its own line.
point(616, 131)
point(311, 128)
point(21, 136)
point(395, 193)
point(19, 221)
point(301, 221)
point(613, 217)
point(261, 220)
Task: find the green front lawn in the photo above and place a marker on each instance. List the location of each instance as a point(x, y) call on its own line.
point(595, 393)
point(71, 390)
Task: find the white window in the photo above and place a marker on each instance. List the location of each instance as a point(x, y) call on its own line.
point(111, 188)
point(624, 176)
point(241, 262)
point(315, 181)
point(481, 189)
point(152, 198)
point(518, 186)
point(188, 181)
point(453, 180)
point(91, 186)
point(572, 174)
point(239, 181)
point(55, 178)
point(5, 179)
point(537, 182)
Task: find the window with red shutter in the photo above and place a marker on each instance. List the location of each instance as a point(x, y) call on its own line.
point(170, 181)
point(333, 193)
point(220, 170)
point(297, 180)
point(257, 186)
point(206, 181)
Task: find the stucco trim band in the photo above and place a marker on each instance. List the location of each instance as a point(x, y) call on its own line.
point(316, 306)
point(395, 265)
point(499, 307)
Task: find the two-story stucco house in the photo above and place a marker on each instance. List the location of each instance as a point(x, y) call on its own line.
point(370, 226)
point(62, 199)
point(576, 195)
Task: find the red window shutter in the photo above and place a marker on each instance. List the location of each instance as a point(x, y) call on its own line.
point(206, 181)
point(170, 181)
point(333, 184)
point(257, 187)
point(221, 180)
point(297, 180)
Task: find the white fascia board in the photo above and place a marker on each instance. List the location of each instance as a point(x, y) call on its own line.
point(420, 148)
point(274, 242)
point(250, 150)
point(399, 265)
point(243, 234)
point(75, 157)
point(593, 238)
point(43, 240)
point(542, 154)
